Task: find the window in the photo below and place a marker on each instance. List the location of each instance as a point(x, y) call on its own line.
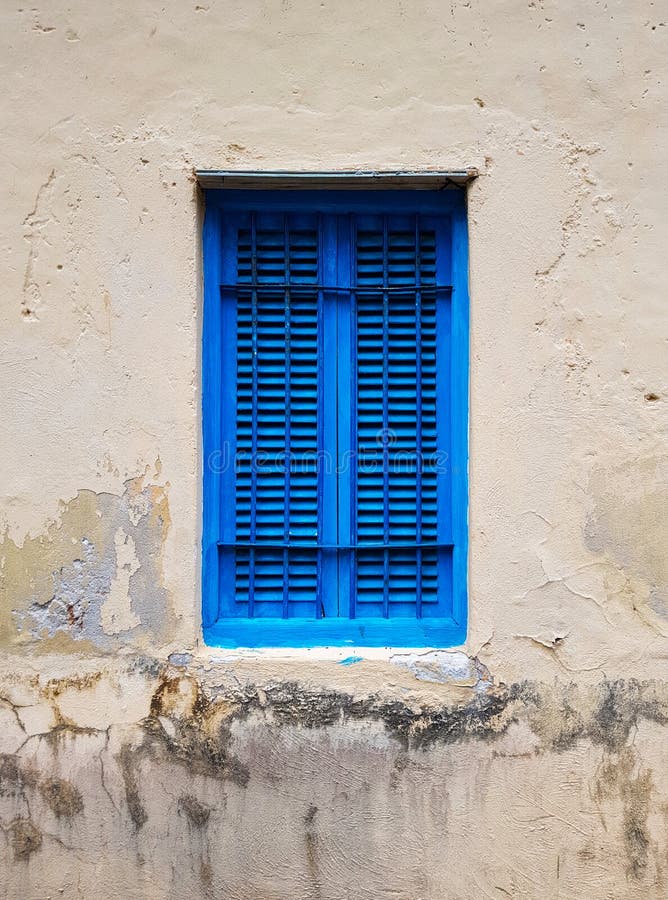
point(335, 353)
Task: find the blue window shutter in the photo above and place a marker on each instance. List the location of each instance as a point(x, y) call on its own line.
point(341, 509)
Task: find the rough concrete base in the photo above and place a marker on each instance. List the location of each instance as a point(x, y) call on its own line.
point(148, 781)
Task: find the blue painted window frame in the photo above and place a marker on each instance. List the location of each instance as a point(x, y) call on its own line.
point(218, 387)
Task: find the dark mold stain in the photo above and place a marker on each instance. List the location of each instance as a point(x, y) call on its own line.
point(199, 743)
point(636, 835)
point(401, 763)
point(480, 718)
point(26, 838)
point(10, 775)
point(560, 715)
point(616, 779)
point(310, 814)
point(311, 846)
point(65, 730)
point(206, 875)
point(291, 704)
point(192, 725)
point(64, 798)
point(196, 812)
point(13, 779)
point(55, 686)
point(127, 762)
point(621, 706)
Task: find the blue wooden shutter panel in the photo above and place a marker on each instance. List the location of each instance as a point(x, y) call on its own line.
point(336, 525)
point(278, 413)
point(396, 419)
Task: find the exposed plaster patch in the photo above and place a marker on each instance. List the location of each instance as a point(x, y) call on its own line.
point(180, 659)
point(116, 611)
point(80, 591)
point(139, 505)
point(445, 667)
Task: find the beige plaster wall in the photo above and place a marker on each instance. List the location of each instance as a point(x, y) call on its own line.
point(529, 763)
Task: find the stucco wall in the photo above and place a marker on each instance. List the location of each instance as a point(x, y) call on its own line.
point(530, 763)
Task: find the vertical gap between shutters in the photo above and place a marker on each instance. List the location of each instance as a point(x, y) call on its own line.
point(320, 420)
point(287, 394)
point(386, 423)
point(351, 233)
point(254, 411)
point(418, 421)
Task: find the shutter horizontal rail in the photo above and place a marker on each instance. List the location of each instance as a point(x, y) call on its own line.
point(310, 288)
point(279, 545)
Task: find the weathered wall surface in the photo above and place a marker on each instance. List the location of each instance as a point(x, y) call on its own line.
point(532, 762)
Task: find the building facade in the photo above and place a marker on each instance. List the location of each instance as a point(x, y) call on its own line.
point(529, 761)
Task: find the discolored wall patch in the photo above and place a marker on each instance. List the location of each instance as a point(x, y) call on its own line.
point(628, 525)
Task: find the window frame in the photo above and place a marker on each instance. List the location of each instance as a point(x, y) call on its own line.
point(275, 632)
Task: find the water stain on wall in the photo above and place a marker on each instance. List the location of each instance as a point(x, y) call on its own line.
point(311, 757)
point(628, 525)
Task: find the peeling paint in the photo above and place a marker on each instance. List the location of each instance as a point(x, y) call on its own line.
point(116, 613)
point(92, 575)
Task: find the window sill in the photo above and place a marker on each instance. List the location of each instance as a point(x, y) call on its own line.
point(254, 634)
